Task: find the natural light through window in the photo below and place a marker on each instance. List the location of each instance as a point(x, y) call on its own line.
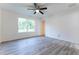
point(26, 25)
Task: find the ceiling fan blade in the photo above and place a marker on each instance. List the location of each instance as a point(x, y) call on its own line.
point(41, 12)
point(35, 4)
point(34, 12)
point(43, 8)
point(31, 9)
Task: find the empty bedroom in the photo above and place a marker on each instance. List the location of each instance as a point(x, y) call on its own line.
point(39, 28)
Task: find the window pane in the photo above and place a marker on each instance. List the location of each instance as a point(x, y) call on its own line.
point(31, 26)
point(26, 25)
point(22, 24)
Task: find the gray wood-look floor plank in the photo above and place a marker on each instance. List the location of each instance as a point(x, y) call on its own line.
point(38, 46)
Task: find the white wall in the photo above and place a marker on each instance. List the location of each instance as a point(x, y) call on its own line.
point(0, 27)
point(64, 26)
point(10, 28)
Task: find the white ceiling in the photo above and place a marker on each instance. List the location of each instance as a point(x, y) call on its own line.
point(52, 8)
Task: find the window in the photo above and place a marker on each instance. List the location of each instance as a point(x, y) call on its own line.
point(26, 25)
point(30, 25)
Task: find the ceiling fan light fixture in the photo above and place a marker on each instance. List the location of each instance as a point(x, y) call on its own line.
point(37, 11)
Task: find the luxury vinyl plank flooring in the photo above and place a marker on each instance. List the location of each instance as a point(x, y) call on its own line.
point(38, 46)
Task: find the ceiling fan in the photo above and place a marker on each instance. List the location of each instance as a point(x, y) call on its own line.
point(38, 9)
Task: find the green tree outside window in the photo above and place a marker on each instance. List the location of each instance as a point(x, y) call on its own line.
point(26, 25)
